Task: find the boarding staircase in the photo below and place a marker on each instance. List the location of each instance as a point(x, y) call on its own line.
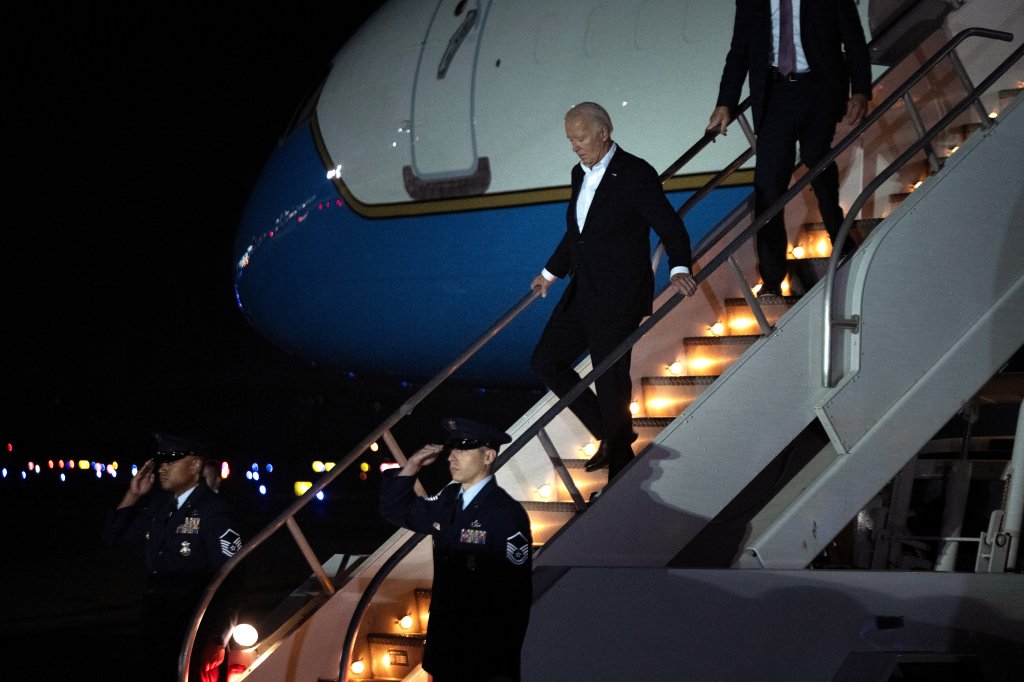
point(756, 447)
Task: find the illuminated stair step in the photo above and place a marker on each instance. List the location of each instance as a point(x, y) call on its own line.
point(586, 482)
point(547, 517)
point(710, 355)
point(647, 428)
point(812, 234)
point(669, 396)
point(739, 320)
point(392, 655)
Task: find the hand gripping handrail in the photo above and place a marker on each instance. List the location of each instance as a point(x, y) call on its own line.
point(531, 432)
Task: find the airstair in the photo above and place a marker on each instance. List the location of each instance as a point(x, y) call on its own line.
point(775, 435)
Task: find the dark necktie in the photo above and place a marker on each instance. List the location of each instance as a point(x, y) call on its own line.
point(787, 51)
point(458, 507)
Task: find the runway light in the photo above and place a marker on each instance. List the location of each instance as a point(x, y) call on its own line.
point(71, 464)
point(5, 472)
point(63, 477)
point(364, 467)
point(590, 449)
point(676, 368)
point(320, 496)
point(301, 487)
point(406, 622)
point(634, 408)
point(49, 464)
point(248, 475)
point(544, 491)
point(263, 490)
point(245, 634)
point(374, 447)
point(225, 470)
point(269, 468)
point(358, 667)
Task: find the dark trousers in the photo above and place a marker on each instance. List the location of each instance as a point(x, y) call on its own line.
point(794, 113)
point(568, 334)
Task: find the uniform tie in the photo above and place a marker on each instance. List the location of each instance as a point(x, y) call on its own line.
point(787, 50)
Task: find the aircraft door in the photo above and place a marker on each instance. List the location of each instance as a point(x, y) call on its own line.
point(444, 154)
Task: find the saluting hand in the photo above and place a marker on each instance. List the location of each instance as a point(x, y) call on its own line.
point(684, 283)
point(421, 458)
point(140, 485)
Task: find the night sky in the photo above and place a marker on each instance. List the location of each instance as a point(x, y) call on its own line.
point(137, 136)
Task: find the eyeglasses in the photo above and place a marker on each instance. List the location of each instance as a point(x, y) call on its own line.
point(464, 444)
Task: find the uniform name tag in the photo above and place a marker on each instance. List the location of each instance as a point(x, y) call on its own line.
point(473, 536)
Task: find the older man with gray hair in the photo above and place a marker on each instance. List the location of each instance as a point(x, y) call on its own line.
point(606, 253)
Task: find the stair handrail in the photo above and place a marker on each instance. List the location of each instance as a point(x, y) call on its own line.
point(543, 420)
point(844, 230)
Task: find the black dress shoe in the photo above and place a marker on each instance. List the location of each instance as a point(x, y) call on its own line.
point(766, 292)
point(599, 460)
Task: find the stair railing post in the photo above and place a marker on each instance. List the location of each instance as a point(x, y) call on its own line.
point(965, 79)
point(755, 307)
point(1015, 498)
point(559, 465)
point(915, 119)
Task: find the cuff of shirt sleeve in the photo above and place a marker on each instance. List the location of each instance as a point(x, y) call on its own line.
point(551, 278)
point(679, 270)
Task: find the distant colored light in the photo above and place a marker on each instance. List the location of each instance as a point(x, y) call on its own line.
point(38, 469)
point(362, 475)
point(63, 477)
point(31, 466)
point(135, 470)
point(403, 384)
point(225, 470)
point(328, 466)
point(71, 464)
point(269, 468)
point(248, 474)
point(255, 466)
point(114, 464)
point(255, 475)
point(320, 496)
point(83, 464)
point(49, 464)
point(263, 490)
point(111, 470)
point(10, 447)
point(5, 472)
point(363, 466)
point(384, 466)
point(374, 447)
point(60, 463)
point(318, 466)
point(99, 473)
point(301, 487)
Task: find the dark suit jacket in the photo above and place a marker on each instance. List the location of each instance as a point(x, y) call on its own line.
point(610, 261)
point(833, 42)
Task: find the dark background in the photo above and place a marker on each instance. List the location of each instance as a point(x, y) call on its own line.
point(134, 139)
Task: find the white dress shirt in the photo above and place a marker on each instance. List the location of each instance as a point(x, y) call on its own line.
point(801, 59)
point(591, 180)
